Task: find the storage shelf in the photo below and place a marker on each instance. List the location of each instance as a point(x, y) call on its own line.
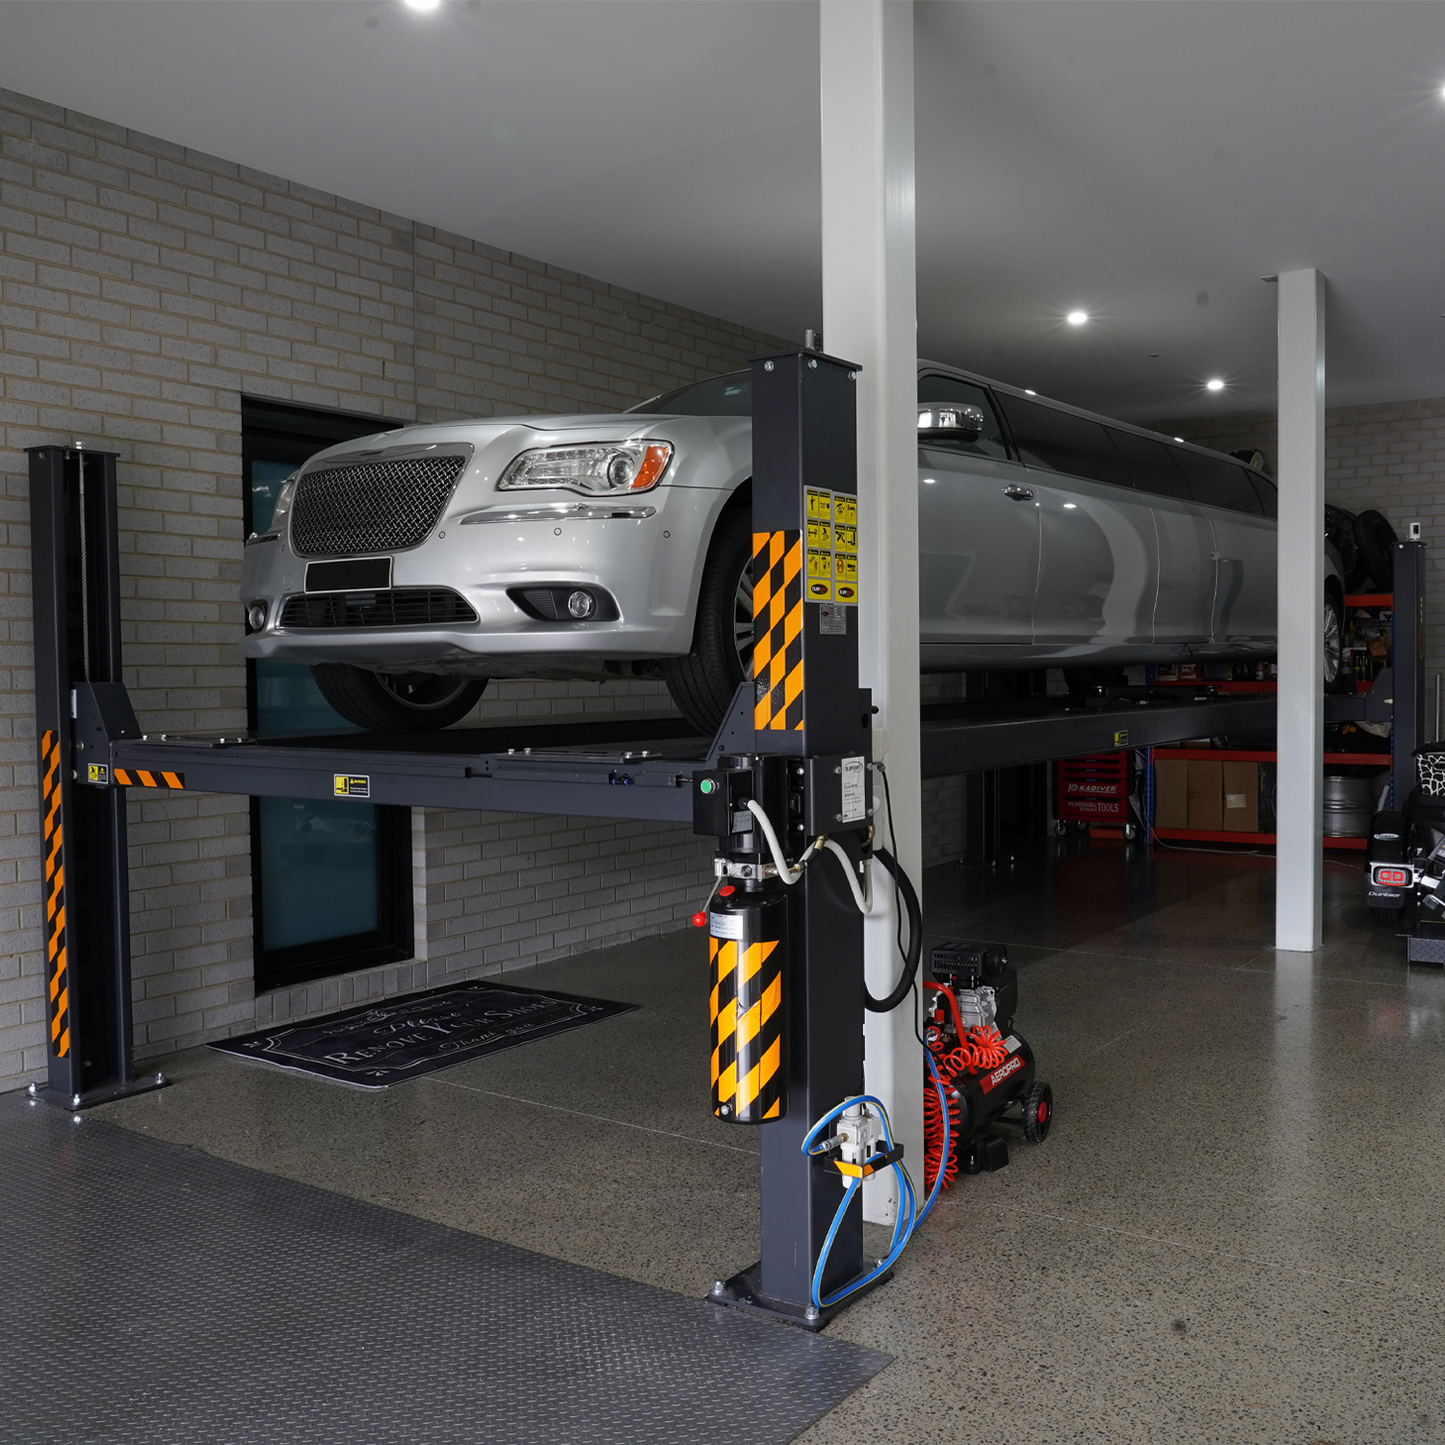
point(1251, 686)
point(1200, 835)
point(1240, 755)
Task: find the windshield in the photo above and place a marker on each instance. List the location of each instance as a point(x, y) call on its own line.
point(730, 395)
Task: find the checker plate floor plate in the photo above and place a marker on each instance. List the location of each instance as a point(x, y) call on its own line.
point(156, 1294)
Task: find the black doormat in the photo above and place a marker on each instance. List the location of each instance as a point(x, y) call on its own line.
point(379, 1044)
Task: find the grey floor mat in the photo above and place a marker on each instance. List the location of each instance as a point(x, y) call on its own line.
point(159, 1294)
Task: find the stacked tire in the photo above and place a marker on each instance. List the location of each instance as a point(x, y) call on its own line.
point(1365, 543)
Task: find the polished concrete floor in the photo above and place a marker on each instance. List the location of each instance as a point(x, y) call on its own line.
point(1229, 1235)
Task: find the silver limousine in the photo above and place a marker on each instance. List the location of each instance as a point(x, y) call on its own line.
point(409, 567)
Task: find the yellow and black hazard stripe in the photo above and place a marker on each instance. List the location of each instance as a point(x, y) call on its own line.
point(745, 1005)
point(778, 630)
point(142, 778)
point(56, 961)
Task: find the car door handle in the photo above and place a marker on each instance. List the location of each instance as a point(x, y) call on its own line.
point(1018, 493)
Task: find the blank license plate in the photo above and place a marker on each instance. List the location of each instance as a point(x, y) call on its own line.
point(364, 574)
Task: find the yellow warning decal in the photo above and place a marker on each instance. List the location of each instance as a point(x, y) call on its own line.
point(845, 568)
point(97, 773)
point(350, 785)
point(819, 534)
point(845, 509)
point(819, 504)
point(819, 589)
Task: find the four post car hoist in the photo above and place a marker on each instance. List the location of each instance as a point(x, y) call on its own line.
point(788, 788)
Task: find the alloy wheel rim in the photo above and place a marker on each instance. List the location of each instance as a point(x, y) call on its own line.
point(742, 622)
point(1332, 643)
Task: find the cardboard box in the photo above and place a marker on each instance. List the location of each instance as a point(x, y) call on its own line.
point(1171, 792)
point(1206, 797)
point(1240, 782)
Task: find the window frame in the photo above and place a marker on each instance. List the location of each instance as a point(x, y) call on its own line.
point(271, 431)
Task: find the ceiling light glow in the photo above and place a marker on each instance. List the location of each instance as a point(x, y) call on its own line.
point(1214, 384)
point(1077, 318)
point(1028, 391)
point(1179, 439)
point(422, 7)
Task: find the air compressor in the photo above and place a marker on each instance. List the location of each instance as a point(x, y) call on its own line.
point(983, 1067)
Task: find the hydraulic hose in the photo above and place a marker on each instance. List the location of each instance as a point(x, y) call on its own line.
point(915, 938)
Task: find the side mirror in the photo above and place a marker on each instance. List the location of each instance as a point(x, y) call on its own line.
point(941, 423)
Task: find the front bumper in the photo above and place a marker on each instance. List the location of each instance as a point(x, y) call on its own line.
point(647, 566)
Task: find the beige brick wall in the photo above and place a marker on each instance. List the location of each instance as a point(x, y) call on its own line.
point(1389, 456)
point(144, 288)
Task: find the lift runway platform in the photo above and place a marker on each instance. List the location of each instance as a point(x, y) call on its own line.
point(638, 768)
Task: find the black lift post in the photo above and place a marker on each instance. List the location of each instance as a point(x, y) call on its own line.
point(85, 880)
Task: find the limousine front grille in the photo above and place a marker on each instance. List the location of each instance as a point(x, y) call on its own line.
point(393, 607)
point(382, 506)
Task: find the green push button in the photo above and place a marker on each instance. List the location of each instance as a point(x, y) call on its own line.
point(707, 785)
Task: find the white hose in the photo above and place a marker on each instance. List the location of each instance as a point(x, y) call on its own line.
point(788, 875)
point(863, 897)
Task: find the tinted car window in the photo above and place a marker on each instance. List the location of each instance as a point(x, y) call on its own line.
point(1151, 464)
point(1218, 482)
point(1268, 494)
point(730, 395)
point(1062, 442)
point(948, 388)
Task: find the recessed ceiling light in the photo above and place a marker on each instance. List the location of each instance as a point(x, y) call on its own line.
point(929, 481)
point(1077, 318)
point(1214, 384)
point(422, 5)
point(1028, 391)
point(1179, 439)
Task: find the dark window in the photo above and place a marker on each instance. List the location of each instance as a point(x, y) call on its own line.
point(949, 388)
point(1219, 482)
point(730, 395)
point(330, 880)
point(1062, 442)
point(1268, 494)
point(1151, 464)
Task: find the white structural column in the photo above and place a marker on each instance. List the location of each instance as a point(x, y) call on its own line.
point(870, 316)
point(1299, 865)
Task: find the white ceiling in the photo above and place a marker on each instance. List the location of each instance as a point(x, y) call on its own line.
point(1147, 160)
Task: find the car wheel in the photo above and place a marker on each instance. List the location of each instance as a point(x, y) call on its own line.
point(1377, 541)
point(702, 684)
point(1334, 640)
point(405, 702)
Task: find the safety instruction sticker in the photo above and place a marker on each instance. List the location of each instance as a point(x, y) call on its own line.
point(855, 805)
point(97, 773)
point(350, 785)
point(832, 547)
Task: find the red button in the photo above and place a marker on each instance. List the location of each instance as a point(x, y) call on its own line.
point(725, 890)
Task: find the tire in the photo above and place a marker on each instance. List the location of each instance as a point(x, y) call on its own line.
point(1038, 1113)
point(1061, 828)
point(1332, 639)
point(408, 702)
point(1340, 530)
point(702, 684)
point(1376, 540)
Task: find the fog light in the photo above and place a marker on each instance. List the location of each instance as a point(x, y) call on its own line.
point(581, 605)
point(256, 616)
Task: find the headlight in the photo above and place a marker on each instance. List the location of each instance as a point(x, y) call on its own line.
point(284, 499)
point(598, 468)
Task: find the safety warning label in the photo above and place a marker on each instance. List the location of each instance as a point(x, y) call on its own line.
point(832, 547)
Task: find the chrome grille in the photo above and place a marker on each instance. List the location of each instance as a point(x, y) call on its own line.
point(396, 607)
point(371, 507)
